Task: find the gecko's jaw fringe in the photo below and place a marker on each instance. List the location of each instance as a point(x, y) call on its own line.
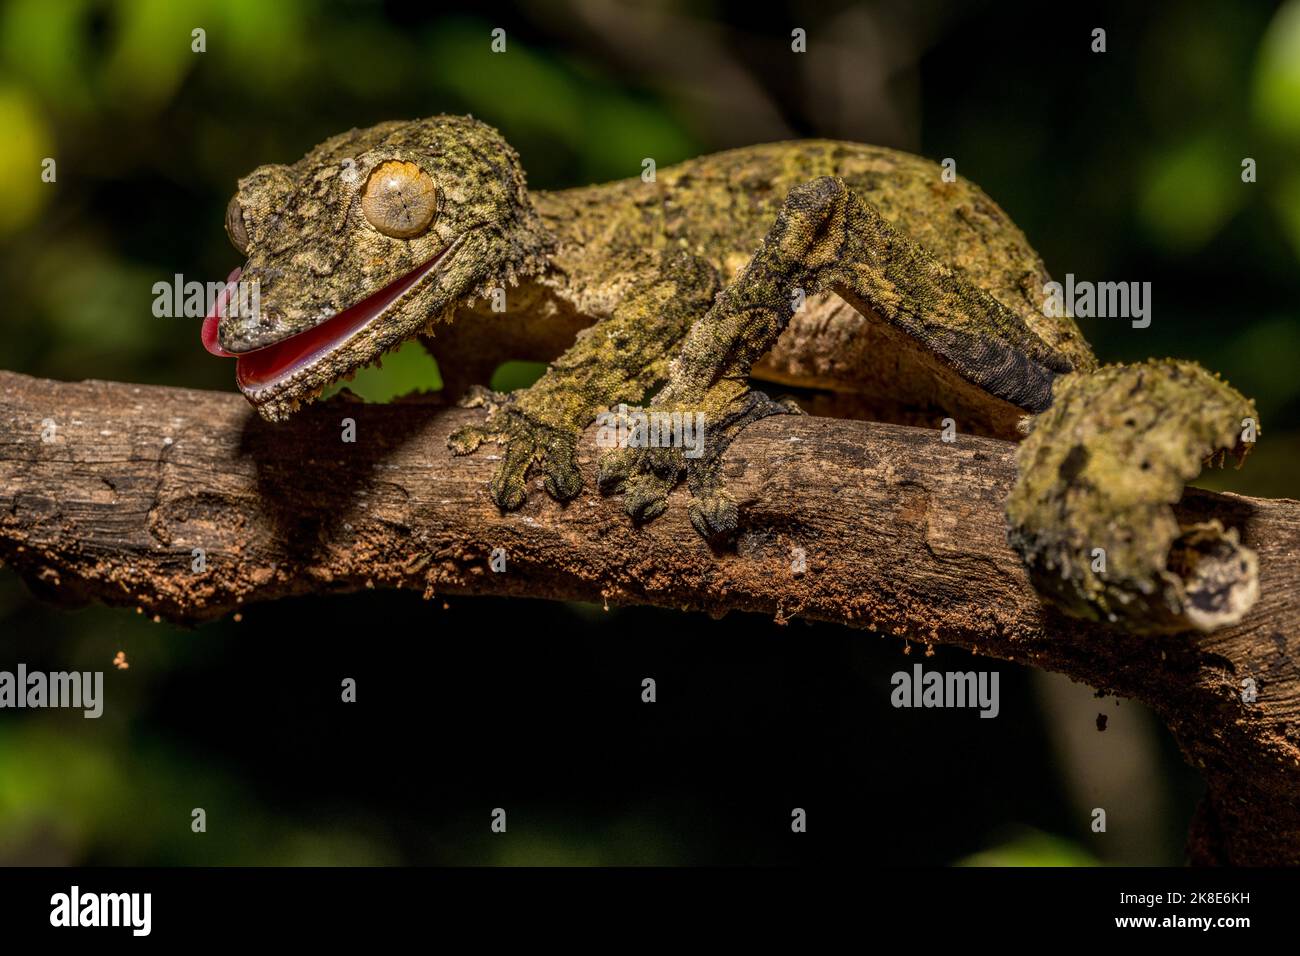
point(275, 364)
point(279, 378)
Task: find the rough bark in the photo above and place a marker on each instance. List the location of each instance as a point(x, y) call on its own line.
point(902, 533)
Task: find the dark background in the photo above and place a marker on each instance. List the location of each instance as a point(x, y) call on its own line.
point(1123, 165)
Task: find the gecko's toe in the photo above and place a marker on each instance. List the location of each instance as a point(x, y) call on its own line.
point(508, 486)
point(645, 498)
point(563, 479)
point(613, 468)
point(466, 439)
point(716, 517)
point(643, 476)
point(528, 443)
point(713, 510)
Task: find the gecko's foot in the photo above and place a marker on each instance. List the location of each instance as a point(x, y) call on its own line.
point(660, 445)
point(1091, 512)
point(528, 442)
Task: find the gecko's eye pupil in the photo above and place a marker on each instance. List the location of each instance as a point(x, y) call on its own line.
point(235, 228)
point(400, 199)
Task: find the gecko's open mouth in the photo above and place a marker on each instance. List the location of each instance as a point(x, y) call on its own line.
point(260, 369)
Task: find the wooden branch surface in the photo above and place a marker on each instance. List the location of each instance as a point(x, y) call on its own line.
point(902, 533)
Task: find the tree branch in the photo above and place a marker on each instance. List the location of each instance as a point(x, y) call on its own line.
point(902, 533)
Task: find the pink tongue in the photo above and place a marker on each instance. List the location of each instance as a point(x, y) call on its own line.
point(209, 334)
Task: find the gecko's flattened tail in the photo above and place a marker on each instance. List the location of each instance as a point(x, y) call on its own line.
point(1091, 512)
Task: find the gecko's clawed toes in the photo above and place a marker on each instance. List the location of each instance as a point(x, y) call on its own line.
point(507, 491)
point(643, 476)
point(466, 439)
point(563, 479)
point(713, 511)
point(528, 443)
point(716, 517)
point(613, 468)
point(619, 469)
point(645, 498)
point(508, 486)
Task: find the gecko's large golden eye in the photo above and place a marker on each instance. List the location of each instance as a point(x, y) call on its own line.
point(235, 226)
point(400, 199)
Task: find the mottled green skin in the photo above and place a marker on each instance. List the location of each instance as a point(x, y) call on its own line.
point(313, 253)
point(719, 207)
point(1100, 469)
point(618, 360)
point(688, 284)
point(827, 237)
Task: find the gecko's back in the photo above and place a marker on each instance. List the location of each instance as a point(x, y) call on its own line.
point(719, 207)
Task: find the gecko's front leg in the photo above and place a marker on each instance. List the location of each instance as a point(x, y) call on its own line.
point(616, 360)
point(825, 238)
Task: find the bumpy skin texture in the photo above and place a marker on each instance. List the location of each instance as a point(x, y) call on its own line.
point(314, 254)
point(815, 264)
point(825, 237)
point(1100, 470)
point(615, 361)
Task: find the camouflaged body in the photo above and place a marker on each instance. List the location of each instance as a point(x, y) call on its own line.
point(313, 254)
point(923, 299)
point(719, 207)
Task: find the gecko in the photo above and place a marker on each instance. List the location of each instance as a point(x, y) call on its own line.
point(858, 274)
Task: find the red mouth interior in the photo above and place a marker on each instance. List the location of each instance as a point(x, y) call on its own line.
point(273, 363)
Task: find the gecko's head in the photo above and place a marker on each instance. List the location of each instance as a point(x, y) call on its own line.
point(370, 238)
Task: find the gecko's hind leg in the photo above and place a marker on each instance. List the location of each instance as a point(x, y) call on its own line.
point(825, 238)
point(616, 360)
